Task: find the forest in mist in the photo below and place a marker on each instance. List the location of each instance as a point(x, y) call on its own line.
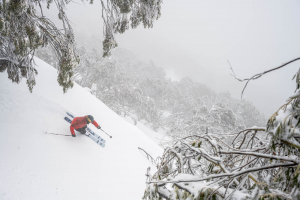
point(142, 91)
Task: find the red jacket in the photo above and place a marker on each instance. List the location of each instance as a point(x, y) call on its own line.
point(79, 122)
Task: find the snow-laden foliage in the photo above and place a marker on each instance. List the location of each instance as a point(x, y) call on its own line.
point(234, 166)
point(256, 163)
point(217, 113)
point(24, 28)
point(118, 14)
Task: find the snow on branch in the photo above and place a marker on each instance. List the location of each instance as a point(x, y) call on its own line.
point(199, 167)
point(149, 157)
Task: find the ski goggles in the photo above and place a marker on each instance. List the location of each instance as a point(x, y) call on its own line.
point(88, 119)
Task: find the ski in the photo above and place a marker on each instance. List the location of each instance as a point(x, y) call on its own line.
point(90, 131)
point(102, 144)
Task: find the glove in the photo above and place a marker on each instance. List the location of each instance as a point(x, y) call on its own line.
point(98, 127)
point(73, 135)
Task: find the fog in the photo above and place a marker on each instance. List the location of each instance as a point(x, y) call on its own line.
point(197, 38)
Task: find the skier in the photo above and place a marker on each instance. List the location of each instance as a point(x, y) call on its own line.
point(80, 124)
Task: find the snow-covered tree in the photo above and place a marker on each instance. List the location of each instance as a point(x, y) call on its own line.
point(24, 28)
point(255, 163)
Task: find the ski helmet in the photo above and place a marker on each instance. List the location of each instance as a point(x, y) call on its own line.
point(90, 118)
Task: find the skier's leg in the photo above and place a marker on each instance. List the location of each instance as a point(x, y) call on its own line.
point(82, 130)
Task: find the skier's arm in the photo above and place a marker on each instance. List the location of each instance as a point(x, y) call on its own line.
point(96, 124)
point(72, 130)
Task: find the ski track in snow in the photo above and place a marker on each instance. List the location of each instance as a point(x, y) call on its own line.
point(36, 165)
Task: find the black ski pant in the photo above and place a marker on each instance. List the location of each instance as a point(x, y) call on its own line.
point(82, 130)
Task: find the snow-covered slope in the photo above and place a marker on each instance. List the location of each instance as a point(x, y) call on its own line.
point(36, 165)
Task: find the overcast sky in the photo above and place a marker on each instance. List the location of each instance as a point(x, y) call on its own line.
point(195, 38)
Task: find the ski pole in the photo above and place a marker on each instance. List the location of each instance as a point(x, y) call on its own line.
point(58, 134)
point(106, 133)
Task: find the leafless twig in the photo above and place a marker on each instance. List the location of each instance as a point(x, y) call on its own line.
point(256, 76)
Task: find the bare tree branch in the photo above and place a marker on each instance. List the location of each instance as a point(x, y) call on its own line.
point(256, 76)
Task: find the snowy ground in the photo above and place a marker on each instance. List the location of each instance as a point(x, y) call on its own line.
point(36, 165)
point(157, 136)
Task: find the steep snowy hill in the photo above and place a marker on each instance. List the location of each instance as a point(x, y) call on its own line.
point(36, 165)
